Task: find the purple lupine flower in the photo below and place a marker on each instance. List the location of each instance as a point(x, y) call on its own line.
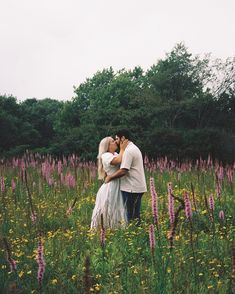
point(50, 181)
point(59, 167)
point(221, 214)
point(64, 160)
point(70, 181)
point(33, 163)
point(102, 232)
point(2, 184)
point(220, 173)
point(102, 237)
point(230, 175)
point(146, 160)
point(154, 200)
point(218, 189)
point(170, 203)
point(188, 207)
point(69, 211)
point(41, 262)
point(53, 165)
point(67, 180)
point(46, 170)
point(211, 202)
point(34, 217)
point(72, 159)
point(12, 264)
point(15, 162)
point(152, 242)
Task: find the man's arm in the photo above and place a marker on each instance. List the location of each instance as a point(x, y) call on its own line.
point(118, 174)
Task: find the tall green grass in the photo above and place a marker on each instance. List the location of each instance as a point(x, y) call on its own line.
point(125, 264)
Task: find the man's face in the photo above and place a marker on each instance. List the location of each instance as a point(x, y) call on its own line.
point(117, 139)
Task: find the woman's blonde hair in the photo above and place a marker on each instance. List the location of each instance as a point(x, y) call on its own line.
point(103, 147)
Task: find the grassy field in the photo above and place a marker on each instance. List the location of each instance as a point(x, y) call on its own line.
point(46, 206)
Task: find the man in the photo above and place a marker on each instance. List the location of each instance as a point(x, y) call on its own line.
point(131, 172)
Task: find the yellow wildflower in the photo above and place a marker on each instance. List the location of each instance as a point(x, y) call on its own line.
point(97, 287)
point(54, 281)
point(209, 287)
point(73, 277)
point(169, 270)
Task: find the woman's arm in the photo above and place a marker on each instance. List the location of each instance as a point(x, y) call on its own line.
point(118, 159)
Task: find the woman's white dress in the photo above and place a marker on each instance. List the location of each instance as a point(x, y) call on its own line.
point(109, 199)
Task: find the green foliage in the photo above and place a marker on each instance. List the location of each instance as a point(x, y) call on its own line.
point(183, 106)
point(9, 122)
point(177, 77)
point(41, 114)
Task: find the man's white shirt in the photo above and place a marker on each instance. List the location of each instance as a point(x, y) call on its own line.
point(132, 160)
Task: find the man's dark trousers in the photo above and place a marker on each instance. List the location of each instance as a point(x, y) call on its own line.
point(132, 201)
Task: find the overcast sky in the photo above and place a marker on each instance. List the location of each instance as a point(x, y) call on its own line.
point(49, 46)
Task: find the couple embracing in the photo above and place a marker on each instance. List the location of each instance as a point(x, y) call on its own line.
point(119, 197)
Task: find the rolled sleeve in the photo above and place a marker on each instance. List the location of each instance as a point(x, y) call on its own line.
point(126, 160)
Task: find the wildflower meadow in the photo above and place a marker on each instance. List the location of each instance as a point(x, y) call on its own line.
point(184, 244)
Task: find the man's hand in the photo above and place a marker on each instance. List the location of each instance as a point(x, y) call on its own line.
point(107, 179)
point(123, 144)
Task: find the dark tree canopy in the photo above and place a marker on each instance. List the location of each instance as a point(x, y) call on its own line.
point(182, 107)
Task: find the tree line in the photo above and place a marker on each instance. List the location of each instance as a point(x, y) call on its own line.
point(182, 107)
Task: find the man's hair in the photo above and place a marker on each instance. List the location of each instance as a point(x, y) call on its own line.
point(124, 133)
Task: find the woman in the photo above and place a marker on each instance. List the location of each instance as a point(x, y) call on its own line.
point(109, 199)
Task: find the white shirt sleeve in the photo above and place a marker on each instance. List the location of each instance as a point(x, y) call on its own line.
point(107, 158)
point(126, 160)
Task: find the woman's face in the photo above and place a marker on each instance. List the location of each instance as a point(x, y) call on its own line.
point(112, 145)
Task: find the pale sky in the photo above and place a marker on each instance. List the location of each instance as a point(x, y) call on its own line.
point(49, 46)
